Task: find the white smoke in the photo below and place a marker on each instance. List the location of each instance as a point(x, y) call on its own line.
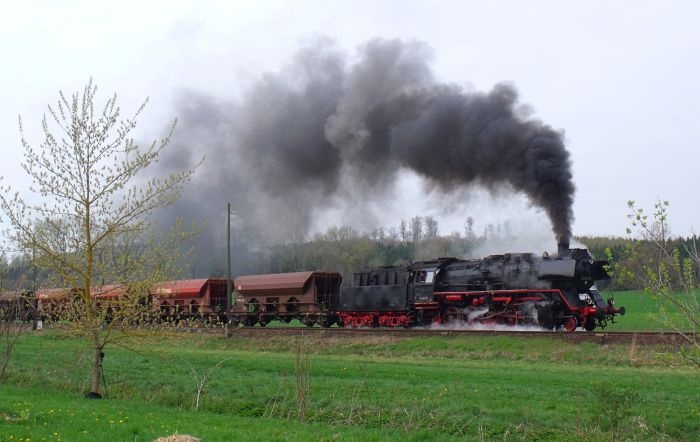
point(477, 326)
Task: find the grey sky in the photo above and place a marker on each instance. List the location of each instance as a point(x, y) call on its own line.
point(620, 78)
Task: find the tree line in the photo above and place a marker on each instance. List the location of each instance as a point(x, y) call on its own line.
point(346, 250)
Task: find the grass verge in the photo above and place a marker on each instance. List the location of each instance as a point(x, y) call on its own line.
point(365, 388)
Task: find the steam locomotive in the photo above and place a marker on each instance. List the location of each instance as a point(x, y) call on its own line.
point(512, 289)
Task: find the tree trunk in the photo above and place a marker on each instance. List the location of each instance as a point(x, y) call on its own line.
point(96, 373)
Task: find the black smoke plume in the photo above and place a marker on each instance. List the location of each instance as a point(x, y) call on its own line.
point(330, 129)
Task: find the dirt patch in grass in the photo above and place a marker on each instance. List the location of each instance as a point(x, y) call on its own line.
point(178, 438)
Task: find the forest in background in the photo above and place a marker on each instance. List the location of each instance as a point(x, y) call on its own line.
point(347, 250)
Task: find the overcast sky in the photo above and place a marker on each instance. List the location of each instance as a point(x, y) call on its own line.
point(621, 79)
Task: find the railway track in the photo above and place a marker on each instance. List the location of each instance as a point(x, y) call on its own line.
point(602, 338)
point(640, 338)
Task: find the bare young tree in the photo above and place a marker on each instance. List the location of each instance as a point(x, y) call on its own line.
point(416, 228)
point(302, 372)
point(200, 379)
point(15, 312)
point(469, 227)
point(90, 227)
point(431, 227)
point(666, 273)
point(403, 231)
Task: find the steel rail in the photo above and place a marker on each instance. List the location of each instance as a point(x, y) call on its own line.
point(601, 337)
point(642, 337)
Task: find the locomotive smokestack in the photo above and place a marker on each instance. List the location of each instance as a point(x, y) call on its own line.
point(563, 249)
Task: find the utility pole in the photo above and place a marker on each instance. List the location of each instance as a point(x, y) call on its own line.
point(228, 270)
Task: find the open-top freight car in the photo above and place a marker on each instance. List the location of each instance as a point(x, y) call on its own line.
point(52, 303)
point(170, 300)
point(311, 297)
point(17, 305)
point(191, 299)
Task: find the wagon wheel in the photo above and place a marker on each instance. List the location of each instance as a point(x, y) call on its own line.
point(569, 324)
point(292, 305)
point(589, 324)
point(253, 306)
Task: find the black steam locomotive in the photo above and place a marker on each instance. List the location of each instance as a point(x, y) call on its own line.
point(511, 289)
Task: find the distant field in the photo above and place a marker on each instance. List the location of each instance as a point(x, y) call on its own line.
point(642, 312)
point(361, 388)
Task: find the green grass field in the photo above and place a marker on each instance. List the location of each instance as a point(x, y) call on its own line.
point(361, 388)
point(642, 312)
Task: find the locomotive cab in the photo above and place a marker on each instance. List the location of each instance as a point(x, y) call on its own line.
point(421, 277)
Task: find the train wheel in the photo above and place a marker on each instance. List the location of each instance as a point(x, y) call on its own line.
point(264, 322)
point(292, 305)
point(253, 306)
point(569, 324)
point(250, 321)
point(589, 324)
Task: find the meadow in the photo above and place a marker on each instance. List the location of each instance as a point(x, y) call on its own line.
point(350, 388)
point(642, 312)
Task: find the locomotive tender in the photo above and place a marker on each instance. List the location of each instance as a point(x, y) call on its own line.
point(512, 289)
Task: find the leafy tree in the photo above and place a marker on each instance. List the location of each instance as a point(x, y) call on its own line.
point(663, 270)
point(91, 225)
